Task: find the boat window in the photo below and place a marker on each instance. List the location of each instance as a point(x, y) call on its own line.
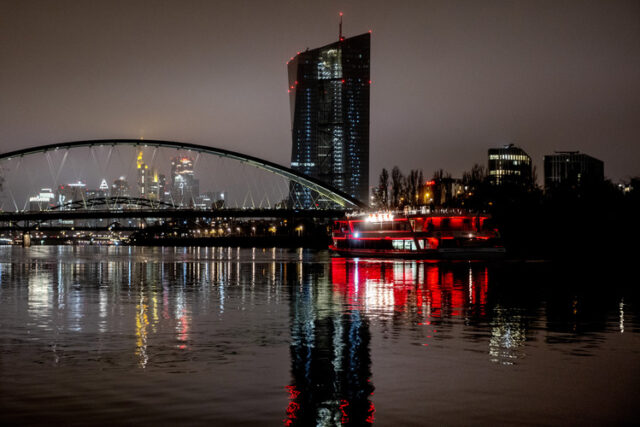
point(406, 245)
point(382, 226)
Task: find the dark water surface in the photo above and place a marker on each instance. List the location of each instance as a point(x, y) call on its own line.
point(227, 336)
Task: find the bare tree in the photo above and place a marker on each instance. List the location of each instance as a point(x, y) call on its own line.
point(412, 187)
point(475, 177)
point(382, 191)
point(396, 187)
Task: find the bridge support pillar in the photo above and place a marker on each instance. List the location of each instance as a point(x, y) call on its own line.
point(26, 240)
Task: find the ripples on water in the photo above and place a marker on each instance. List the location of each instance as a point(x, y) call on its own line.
point(272, 336)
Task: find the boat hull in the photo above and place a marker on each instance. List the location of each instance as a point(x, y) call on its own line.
point(444, 253)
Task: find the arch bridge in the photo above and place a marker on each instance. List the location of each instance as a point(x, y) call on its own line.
point(68, 182)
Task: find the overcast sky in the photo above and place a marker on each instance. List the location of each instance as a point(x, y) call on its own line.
point(450, 78)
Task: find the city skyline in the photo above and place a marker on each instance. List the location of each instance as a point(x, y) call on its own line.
point(451, 81)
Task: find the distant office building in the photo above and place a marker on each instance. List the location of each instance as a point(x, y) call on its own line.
point(44, 200)
point(103, 188)
point(185, 188)
point(210, 200)
point(329, 100)
point(571, 169)
point(101, 192)
point(70, 193)
point(151, 184)
point(509, 165)
point(156, 187)
point(120, 188)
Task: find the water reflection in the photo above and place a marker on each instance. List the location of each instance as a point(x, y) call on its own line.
point(507, 335)
point(317, 323)
point(330, 358)
point(429, 294)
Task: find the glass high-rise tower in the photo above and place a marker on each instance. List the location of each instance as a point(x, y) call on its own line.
point(329, 98)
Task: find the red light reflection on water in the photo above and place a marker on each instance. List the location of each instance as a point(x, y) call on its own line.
point(396, 286)
point(293, 407)
point(344, 404)
point(183, 327)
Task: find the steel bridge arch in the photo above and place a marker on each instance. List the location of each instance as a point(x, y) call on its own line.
point(112, 201)
point(337, 196)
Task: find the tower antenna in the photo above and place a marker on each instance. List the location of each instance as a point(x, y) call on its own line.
point(340, 31)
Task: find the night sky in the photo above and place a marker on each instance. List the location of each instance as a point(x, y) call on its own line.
point(450, 79)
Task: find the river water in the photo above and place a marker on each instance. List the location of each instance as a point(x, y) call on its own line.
point(229, 336)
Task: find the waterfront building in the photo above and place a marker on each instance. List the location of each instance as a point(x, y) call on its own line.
point(329, 100)
point(571, 169)
point(185, 188)
point(510, 165)
point(42, 201)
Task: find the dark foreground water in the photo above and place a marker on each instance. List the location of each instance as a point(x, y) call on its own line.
point(227, 336)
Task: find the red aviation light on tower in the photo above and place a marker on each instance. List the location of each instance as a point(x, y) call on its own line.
point(340, 29)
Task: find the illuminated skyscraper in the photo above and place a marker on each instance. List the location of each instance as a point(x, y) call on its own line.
point(329, 99)
point(185, 188)
point(150, 184)
point(143, 176)
point(120, 188)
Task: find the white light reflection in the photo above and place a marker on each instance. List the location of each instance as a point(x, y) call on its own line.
point(507, 337)
point(39, 295)
point(622, 315)
point(470, 285)
point(102, 308)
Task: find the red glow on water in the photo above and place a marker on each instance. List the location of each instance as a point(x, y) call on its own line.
point(293, 407)
point(343, 405)
point(398, 286)
point(371, 412)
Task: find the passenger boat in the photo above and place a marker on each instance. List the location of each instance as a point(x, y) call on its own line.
point(443, 235)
